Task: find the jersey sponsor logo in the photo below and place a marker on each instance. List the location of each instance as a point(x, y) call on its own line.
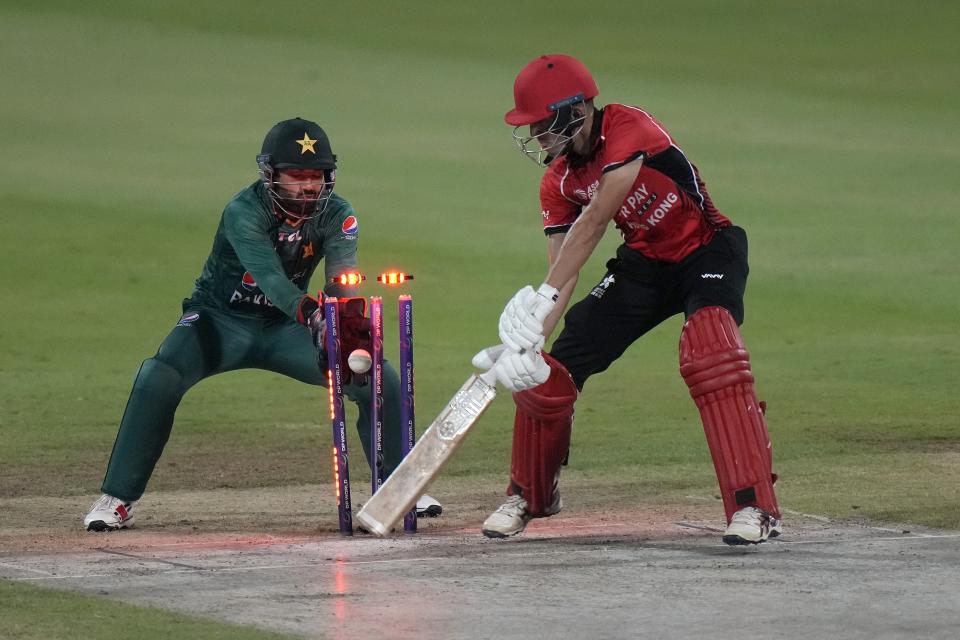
point(590, 191)
point(662, 209)
point(256, 299)
point(601, 288)
point(350, 225)
point(247, 282)
point(249, 293)
point(286, 236)
point(638, 202)
point(188, 319)
point(716, 276)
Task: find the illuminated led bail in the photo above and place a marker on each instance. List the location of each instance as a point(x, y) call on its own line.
point(393, 278)
point(349, 279)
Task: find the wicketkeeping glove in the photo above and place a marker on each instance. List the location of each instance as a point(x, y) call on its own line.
point(354, 326)
point(354, 330)
point(310, 313)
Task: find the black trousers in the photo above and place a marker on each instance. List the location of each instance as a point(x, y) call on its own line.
point(637, 294)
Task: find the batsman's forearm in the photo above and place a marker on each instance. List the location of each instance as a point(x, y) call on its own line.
point(581, 240)
point(562, 301)
point(585, 234)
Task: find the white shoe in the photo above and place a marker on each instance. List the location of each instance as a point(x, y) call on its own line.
point(109, 514)
point(512, 517)
point(751, 525)
point(428, 507)
point(509, 520)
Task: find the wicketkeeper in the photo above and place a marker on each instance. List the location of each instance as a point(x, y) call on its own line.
point(680, 255)
point(250, 309)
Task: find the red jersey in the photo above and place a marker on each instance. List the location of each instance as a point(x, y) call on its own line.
point(665, 216)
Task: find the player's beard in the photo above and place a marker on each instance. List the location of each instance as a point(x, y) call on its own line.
point(300, 207)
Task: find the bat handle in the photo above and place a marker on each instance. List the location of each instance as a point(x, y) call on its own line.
point(489, 377)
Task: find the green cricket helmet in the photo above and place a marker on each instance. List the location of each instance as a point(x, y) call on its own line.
point(292, 145)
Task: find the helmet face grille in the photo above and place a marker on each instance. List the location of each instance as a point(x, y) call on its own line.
point(550, 139)
point(294, 197)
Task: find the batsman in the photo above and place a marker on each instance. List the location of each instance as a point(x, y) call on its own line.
point(250, 309)
point(679, 255)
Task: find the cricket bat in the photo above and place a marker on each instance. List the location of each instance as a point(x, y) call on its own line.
point(411, 478)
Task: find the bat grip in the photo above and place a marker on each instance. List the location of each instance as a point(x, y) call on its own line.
point(488, 376)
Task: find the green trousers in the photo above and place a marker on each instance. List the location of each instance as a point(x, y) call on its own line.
point(213, 342)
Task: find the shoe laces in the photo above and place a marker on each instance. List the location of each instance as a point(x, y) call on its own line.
point(106, 501)
point(749, 515)
point(514, 506)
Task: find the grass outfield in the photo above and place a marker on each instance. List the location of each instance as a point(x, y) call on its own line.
point(826, 129)
point(31, 613)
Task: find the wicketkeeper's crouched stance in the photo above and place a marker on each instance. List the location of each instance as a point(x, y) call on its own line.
point(680, 255)
point(250, 309)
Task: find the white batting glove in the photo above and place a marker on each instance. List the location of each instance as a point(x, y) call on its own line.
point(521, 323)
point(521, 371)
point(488, 357)
point(515, 371)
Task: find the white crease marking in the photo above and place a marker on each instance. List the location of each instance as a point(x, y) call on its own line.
point(341, 563)
point(21, 568)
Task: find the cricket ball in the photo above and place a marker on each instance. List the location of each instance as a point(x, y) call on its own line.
point(359, 361)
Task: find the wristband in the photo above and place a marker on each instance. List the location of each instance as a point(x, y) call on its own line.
point(548, 292)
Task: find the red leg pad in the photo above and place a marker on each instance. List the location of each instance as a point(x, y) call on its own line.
point(541, 439)
point(716, 367)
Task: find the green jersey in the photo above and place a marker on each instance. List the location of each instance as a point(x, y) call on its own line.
point(261, 265)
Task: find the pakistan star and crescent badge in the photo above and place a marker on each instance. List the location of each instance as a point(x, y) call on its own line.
point(306, 144)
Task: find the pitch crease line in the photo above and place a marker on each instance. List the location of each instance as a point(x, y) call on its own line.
point(76, 577)
point(867, 540)
point(19, 568)
point(150, 559)
point(275, 567)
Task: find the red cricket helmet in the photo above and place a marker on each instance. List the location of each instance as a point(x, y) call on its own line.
point(546, 84)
